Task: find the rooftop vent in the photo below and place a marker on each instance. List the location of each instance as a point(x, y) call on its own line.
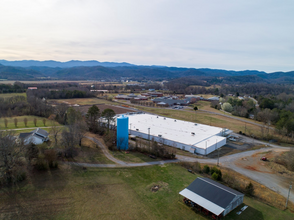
point(195, 124)
point(159, 135)
point(164, 118)
point(175, 120)
point(137, 129)
point(192, 133)
point(157, 117)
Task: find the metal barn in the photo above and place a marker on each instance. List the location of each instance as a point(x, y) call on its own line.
point(212, 197)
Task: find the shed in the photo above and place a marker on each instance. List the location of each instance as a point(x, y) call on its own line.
point(212, 196)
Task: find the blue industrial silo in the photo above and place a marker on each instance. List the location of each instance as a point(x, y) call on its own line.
point(122, 135)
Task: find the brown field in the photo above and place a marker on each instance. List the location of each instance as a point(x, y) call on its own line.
point(102, 107)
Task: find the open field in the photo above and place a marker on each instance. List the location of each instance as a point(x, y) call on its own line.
point(8, 95)
point(116, 193)
point(91, 153)
point(21, 124)
point(203, 118)
point(132, 156)
point(102, 107)
point(81, 101)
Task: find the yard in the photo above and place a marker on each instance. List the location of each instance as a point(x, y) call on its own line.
point(115, 193)
point(21, 124)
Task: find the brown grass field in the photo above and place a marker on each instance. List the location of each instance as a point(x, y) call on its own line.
point(116, 193)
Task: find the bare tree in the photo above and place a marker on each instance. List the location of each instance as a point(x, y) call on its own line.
point(35, 122)
point(5, 122)
point(55, 130)
point(12, 170)
point(44, 121)
point(15, 122)
point(25, 121)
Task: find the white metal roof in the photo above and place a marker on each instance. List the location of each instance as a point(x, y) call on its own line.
point(210, 206)
point(198, 135)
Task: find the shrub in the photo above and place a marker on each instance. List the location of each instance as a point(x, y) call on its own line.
point(249, 189)
point(21, 176)
point(41, 164)
point(206, 169)
point(217, 171)
point(215, 176)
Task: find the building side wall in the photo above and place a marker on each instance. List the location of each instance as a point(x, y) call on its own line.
point(234, 204)
point(215, 146)
point(162, 140)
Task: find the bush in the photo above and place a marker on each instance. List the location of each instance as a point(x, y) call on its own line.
point(215, 176)
point(206, 169)
point(217, 171)
point(249, 189)
point(21, 176)
point(41, 164)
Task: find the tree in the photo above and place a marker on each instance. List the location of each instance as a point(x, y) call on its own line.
point(249, 189)
point(92, 118)
point(108, 114)
point(73, 116)
point(11, 166)
point(5, 122)
point(35, 122)
point(15, 122)
point(25, 121)
point(227, 107)
point(44, 121)
point(55, 130)
point(195, 108)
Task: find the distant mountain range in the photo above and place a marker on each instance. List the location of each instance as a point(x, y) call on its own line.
point(94, 70)
point(53, 64)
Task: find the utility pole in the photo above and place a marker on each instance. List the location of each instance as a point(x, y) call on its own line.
point(290, 187)
point(149, 138)
point(245, 127)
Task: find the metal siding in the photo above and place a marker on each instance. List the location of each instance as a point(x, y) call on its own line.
point(123, 132)
point(210, 206)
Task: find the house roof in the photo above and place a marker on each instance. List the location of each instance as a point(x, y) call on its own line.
point(211, 195)
point(41, 131)
point(24, 135)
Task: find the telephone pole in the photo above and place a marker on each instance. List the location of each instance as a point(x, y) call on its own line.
point(290, 187)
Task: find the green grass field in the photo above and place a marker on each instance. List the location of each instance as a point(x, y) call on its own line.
point(8, 95)
point(116, 193)
point(21, 124)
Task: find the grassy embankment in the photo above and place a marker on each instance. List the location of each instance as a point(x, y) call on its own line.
point(117, 193)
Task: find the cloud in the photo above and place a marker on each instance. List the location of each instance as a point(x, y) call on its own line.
point(231, 34)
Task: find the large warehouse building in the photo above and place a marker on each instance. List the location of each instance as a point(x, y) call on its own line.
point(195, 138)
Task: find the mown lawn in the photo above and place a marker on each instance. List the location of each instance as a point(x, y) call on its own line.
point(21, 124)
point(116, 193)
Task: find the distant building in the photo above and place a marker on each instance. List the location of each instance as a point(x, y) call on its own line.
point(32, 88)
point(37, 136)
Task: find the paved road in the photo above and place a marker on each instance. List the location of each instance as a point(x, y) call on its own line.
point(19, 129)
point(269, 180)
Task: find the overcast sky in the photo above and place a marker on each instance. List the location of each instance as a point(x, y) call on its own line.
point(227, 34)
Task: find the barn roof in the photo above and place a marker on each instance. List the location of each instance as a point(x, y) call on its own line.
point(209, 194)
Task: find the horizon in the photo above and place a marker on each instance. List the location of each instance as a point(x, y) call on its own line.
point(231, 35)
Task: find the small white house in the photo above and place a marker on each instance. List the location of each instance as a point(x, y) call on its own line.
point(37, 136)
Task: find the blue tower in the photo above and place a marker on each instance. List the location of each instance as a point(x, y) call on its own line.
point(122, 135)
